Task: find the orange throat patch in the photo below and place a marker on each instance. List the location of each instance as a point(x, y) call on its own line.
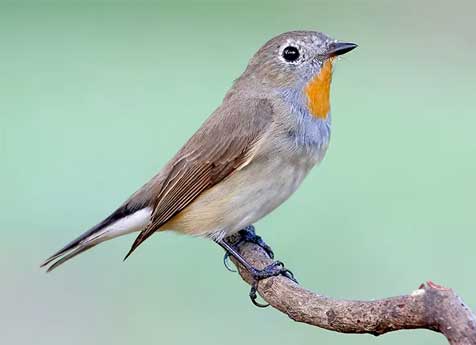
point(318, 91)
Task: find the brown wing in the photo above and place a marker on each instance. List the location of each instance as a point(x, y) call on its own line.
point(224, 143)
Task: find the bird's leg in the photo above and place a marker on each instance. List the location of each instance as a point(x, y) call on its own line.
point(276, 268)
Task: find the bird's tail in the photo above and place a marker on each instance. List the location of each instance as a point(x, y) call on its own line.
point(119, 223)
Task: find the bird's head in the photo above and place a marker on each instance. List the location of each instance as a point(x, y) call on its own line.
point(298, 62)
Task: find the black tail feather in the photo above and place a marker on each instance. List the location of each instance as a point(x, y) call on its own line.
point(74, 247)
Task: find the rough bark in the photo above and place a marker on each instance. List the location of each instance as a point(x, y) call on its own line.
point(431, 306)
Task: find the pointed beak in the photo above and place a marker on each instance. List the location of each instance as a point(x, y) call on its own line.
point(339, 48)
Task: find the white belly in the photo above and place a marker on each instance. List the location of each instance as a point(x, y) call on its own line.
point(242, 198)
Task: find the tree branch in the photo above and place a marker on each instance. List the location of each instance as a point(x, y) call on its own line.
point(431, 306)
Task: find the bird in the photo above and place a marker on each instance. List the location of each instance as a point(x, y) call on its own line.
point(248, 157)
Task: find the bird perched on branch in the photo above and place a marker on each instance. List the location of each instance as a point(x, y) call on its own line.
point(245, 160)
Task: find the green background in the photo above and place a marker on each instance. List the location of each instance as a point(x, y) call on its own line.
point(95, 98)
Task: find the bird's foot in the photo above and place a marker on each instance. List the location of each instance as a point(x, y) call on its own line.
point(247, 234)
point(276, 268)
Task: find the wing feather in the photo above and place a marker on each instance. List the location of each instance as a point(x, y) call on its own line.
point(224, 143)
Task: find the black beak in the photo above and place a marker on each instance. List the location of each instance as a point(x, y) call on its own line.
point(340, 48)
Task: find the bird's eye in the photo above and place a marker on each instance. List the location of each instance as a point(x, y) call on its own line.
point(291, 54)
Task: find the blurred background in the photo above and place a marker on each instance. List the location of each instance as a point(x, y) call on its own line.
point(96, 97)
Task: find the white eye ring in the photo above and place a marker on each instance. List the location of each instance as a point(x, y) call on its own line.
point(290, 54)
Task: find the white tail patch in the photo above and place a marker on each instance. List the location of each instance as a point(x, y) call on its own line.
point(131, 223)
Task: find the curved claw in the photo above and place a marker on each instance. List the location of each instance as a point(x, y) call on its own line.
point(226, 261)
point(290, 275)
point(269, 251)
point(254, 296)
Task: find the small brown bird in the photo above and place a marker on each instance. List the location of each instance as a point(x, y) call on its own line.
point(247, 158)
